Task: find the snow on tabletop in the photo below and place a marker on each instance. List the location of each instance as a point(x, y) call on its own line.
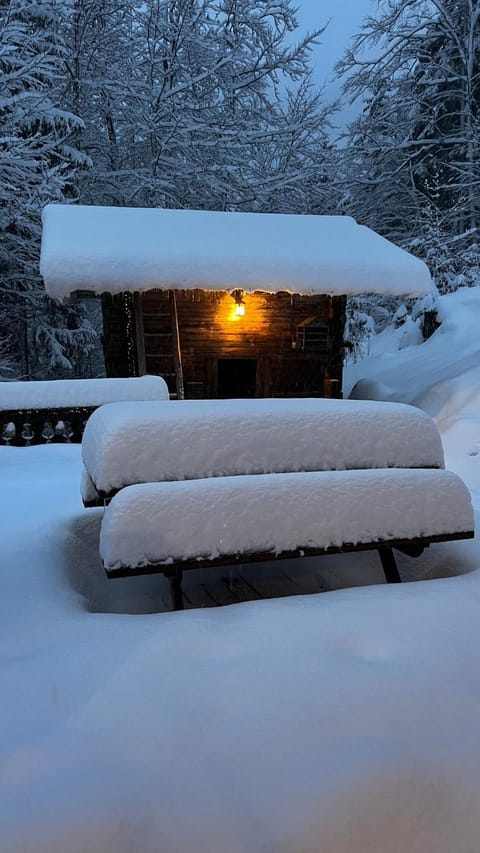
point(114, 249)
point(126, 443)
point(66, 393)
point(164, 522)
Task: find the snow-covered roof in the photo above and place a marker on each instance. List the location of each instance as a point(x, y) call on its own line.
point(115, 249)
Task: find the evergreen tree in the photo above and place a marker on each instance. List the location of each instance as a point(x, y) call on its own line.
point(416, 147)
point(37, 162)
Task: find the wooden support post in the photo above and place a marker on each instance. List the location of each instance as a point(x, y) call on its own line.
point(175, 579)
point(177, 352)
point(389, 565)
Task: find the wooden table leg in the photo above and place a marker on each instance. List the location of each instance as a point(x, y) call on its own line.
point(389, 565)
point(175, 580)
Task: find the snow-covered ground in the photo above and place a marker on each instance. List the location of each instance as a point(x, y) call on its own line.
point(346, 721)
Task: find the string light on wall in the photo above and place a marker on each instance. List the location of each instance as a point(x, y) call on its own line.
point(130, 334)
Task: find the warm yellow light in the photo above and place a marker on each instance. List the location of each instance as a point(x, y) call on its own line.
point(239, 307)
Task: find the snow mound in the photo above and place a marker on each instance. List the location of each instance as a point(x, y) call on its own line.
point(70, 393)
point(126, 444)
point(164, 522)
point(368, 389)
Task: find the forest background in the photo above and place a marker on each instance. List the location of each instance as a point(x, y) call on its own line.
point(213, 104)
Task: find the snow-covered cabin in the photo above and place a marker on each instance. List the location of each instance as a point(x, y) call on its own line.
point(223, 304)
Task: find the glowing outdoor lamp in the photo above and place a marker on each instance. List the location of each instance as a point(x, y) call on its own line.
point(239, 310)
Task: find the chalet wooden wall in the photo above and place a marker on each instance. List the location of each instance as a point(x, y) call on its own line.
point(209, 331)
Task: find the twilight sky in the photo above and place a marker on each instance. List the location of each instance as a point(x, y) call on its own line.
point(345, 18)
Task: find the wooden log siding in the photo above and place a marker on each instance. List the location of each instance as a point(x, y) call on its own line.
point(267, 332)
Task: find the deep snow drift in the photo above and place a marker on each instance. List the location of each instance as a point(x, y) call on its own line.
point(442, 376)
point(346, 722)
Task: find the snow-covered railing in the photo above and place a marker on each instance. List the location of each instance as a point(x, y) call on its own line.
point(21, 428)
point(56, 411)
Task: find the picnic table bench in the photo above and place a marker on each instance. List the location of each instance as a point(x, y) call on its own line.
point(194, 484)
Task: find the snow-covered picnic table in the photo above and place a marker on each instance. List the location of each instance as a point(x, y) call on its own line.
point(197, 483)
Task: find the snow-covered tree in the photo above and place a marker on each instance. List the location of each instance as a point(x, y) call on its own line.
point(416, 145)
point(197, 103)
point(37, 162)
point(100, 38)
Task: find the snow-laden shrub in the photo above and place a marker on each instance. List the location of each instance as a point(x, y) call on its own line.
point(359, 328)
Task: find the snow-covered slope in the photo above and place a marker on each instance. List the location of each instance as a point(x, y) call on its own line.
point(441, 376)
point(420, 374)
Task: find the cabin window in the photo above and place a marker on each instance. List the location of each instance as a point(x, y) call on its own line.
point(237, 377)
point(312, 335)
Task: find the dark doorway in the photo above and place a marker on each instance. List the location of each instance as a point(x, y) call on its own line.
point(237, 377)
